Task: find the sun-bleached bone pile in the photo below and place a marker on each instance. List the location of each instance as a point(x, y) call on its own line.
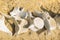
point(26, 20)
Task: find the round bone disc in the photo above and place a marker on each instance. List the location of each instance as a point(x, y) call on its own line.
point(38, 22)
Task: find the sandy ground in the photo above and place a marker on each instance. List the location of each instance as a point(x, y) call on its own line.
point(50, 5)
point(30, 35)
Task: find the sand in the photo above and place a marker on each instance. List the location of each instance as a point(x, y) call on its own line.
point(31, 5)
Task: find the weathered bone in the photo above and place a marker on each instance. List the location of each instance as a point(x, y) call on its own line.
point(37, 13)
point(21, 26)
point(19, 15)
point(33, 28)
point(49, 22)
point(30, 20)
point(38, 24)
point(16, 13)
point(3, 27)
point(18, 27)
point(35, 23)
point(57, 19)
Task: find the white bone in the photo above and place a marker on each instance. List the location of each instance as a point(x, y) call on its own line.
point(35, 23)
point(57, 19)
point(50, 23)
point(32, 27)
point(3, 27)
point(21, 25)
point(37, 13)
point(16, 13)
point(38, 22)
point(18, 27)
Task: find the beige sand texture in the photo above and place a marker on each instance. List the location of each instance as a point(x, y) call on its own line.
point(31, 5)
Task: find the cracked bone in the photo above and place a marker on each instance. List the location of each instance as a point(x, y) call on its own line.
point(57, 19)
point(3, 27)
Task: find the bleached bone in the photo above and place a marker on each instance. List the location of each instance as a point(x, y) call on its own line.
point(38, 24)
point(17, 13)
point(49, 22)
point(3, 27)
point(57, 19)
point(33, 28)
point(37, 13)
point(23, 23)
point(21, 27)
point(30, 20)
point(18, 27)
point(35, 23)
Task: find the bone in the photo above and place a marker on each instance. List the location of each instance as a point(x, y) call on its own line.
point(50, 23)
point(37, 13)
point(3, 27)
point(18, 13)
point(38, 24)
point(36, 21)
point(33, 28)
point(21, 27)
point(57, 19)
point(5, 15)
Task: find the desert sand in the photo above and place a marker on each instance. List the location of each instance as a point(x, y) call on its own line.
point(31, 5)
